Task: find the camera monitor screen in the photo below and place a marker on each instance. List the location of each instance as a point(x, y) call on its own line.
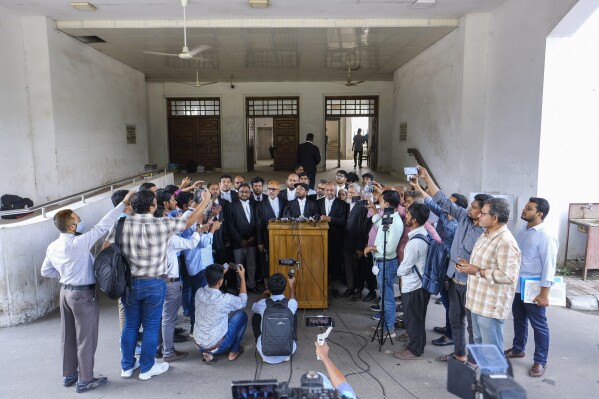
point(253, 389)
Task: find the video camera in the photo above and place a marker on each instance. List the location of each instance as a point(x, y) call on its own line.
point(311, 386)
point(495, 380)
point(387, 216)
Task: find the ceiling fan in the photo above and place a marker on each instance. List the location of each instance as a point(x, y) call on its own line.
point(197, 83)
point(349, 81)
point(185, 54)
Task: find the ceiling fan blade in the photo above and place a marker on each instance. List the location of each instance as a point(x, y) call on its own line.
point(186, 83)
point(199, 49)
point(358, 82)
point(158, 53)
point(209, 83)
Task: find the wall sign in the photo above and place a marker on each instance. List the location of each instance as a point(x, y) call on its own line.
point(403, 131)
point(131, 133)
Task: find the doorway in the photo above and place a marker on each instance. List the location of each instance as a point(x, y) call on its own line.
point(194, 132)
point(272, 132)
point(344, 116)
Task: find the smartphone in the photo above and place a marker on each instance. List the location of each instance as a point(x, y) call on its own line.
point(411, 171)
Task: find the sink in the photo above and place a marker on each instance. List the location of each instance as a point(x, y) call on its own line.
point(586, 222)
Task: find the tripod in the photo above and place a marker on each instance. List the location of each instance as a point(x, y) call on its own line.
point(381, 336)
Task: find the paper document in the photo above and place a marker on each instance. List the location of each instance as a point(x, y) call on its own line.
point(557, 294)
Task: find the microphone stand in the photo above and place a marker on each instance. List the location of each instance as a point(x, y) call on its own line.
point(380, 335)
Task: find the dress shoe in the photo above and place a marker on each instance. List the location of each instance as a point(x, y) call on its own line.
point(176, 355)
point(439, 330)
point(400, 324)
point(347, 293)
point(442, 341)
point(512, 354)
point(179, 338)
point(537, 370)
point(336, 293)
point(406, 355)
point(370, 296)
point(95, 383)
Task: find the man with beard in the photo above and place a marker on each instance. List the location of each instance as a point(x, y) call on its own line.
point(288, 194)
point(334, 211)
point(466, 234)
point(257, 188)
point(539, 253)
point(301, 205)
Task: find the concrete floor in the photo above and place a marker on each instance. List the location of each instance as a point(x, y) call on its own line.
point(31, 365)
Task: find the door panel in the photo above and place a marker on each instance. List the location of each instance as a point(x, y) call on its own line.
point(286, 140)
point(207, 145)
point(195, 139)
point(181, 141)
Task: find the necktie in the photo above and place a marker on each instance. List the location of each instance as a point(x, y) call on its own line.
point(246, 209)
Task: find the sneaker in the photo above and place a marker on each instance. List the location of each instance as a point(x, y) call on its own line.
point(191, 334)
point(70, 381)
point(157, 369)
point(376, 316)
point(375, 308)
point(95, 383)
point(129, 373)
point(174, 356)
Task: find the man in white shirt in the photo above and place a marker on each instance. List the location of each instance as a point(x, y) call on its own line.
point(385, 257)
point(276, 288)
point(415, 298)
point(288, 194)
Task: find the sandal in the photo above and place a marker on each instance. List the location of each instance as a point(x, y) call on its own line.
point(445, 358)
point(209, 358)
point(241, 350)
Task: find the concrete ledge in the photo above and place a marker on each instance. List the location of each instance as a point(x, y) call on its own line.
point(582, 302)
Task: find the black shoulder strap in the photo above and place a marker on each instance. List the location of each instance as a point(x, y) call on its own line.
point(427, 240)
point(118, 237)
point(269, 302)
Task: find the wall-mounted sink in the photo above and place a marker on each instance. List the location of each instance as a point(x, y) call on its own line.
point(586, 222)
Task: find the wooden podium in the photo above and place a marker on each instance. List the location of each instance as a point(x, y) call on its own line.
point(306, 242)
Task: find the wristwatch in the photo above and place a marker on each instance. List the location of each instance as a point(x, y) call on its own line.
point(478, 273)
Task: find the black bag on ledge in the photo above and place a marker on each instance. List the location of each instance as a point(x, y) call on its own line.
point(12, 202)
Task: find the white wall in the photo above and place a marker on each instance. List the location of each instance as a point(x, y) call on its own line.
point(233, 131)
point(24, 294)
point(569, 139)
point(473, 100)
point(63, 109)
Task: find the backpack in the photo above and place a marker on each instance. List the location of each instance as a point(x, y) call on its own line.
point(435, 268)
point(277, 329)
point(111, 267)
point(9, 202)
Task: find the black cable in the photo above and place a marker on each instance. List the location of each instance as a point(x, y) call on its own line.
point(382, 368)
point(290, 368)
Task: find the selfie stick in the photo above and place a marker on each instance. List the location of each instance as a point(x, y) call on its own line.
point(320, 338)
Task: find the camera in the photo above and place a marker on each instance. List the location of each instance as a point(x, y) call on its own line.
point(369, 188)
point(311, 386)
point(233, 266)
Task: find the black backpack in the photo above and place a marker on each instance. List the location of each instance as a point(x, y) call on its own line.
point(111, 267)
point(9, 202)
point(277, 329)
point(435, 269)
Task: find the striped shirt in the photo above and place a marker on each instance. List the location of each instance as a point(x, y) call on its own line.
point(498, 254)
point(145, 242)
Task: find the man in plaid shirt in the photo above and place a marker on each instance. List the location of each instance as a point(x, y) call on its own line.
point(493, 273)
point(145, 244)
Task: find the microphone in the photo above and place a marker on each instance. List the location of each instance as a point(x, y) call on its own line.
point(287, 262)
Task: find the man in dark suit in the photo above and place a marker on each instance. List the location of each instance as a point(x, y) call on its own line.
point(334, 211)
point(242, 230)
point(354, 241)
point(303, 178)
point(308, 155)
point(301, 206)
point(219, 238)
point(288, 194)
point(271, 208)
point(226, 188)
point(257, 188)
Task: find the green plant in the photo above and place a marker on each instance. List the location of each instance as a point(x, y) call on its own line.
point(564, 271)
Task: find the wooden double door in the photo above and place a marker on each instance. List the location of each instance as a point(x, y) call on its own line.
point(195, 139)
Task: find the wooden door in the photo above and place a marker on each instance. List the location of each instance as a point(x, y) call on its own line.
point(286, 139)
point(250, 150)
point(195, 139)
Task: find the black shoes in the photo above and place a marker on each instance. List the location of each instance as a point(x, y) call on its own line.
point(93, 384)
point(347, 293)
point(371, 295)
point(70, 381)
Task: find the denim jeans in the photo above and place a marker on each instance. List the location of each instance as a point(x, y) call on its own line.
point(389, 305)
point(197, 281)
point(238, 322)
point(487, 330)
point(143, 306)
point(523, 313)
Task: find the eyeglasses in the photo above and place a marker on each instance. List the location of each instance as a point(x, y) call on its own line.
point(272, 189)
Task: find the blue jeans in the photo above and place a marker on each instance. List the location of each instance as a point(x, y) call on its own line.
point(143, 306)
point(389, 305)
point(487, 330)
point(524, 312)
point(232, 339)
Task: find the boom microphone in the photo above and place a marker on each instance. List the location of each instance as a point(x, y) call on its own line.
point(287, 262)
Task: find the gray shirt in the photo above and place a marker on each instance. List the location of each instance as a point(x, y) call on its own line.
point(68, 258)
point(465, 236)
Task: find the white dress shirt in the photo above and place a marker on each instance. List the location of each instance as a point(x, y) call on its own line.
point(226, 195)
point(328, 203)
point(246, 209)
point(274, 203)
point(290, 194)
point(302, 205)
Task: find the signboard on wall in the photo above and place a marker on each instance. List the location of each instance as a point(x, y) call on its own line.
point(403, 131)
point(131, 133)
point(508, 197)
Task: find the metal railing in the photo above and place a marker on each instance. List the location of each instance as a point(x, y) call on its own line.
point(82, 195)
point(413, 152)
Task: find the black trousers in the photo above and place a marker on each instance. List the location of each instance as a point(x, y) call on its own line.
point(358, 157)
point(415, 304)
point(458, 315)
